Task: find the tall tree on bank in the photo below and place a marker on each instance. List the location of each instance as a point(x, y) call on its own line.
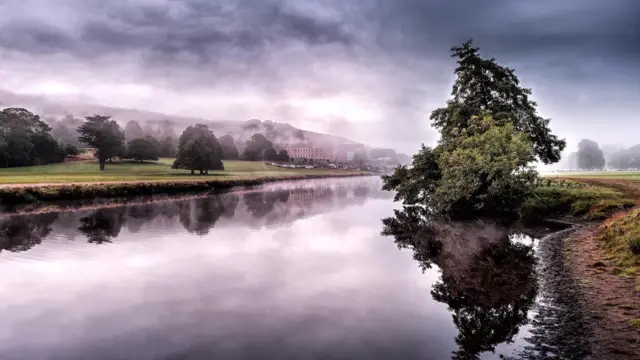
point(255, 147)
point(198, 149)
point(490, 136)
point(133, 131)
point(104, 135)
point(229, 149)
point(589, 155)
point(482, 86)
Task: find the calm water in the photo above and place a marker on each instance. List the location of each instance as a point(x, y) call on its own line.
point(286, 271)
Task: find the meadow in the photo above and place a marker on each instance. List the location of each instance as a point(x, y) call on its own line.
point(617, 175)
point(125, 171)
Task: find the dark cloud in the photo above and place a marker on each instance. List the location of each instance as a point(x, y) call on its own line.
point(388, 55)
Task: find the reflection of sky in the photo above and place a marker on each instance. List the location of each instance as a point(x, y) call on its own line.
point(327, 286)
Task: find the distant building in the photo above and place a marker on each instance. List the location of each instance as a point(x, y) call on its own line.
point(307, 150)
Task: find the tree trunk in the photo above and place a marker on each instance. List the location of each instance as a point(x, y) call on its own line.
point(201, 171)
point(206, 172)
point(193, 172)
point(101, 161)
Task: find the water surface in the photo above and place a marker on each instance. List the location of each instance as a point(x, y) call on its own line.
point(294, 270)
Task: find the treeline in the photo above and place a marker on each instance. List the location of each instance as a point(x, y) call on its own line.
point(592, 157)
point(27, 140)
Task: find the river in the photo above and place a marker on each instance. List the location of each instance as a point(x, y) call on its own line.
point(298, 270)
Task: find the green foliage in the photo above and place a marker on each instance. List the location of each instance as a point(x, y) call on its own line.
point(198, 149)
point(483, 86)
point(229, 149)
point(490, 136)
point(270, 154)
point(104, 135)
point(26, 140)
point(283, 156)
point(562, 198)
point(71, 150)
point(255, 148)
point(590, 156)
point(634, 246)
point(142, 149)
point(168, 147)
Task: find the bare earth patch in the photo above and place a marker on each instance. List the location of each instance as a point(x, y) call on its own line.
point(613, 300)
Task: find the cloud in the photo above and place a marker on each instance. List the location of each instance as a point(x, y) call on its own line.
point(297, 61)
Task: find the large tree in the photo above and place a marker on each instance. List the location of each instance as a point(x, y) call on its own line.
point(589, 155)
point(26, 140)
point(168, 147)
point(255, 147)
point(483, 86)
point(141, 150)
point(198, 149)
point(490, 137)
point(104, 135)
point(229, 149)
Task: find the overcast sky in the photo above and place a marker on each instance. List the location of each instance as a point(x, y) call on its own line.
point(371, 70)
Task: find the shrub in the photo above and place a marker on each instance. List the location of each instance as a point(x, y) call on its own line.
point(634, 246)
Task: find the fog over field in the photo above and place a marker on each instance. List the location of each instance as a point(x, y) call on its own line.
point(368, 70)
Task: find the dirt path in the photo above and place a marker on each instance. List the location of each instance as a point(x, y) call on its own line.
point(612, 300)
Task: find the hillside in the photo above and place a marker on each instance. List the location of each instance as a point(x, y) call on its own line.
point(241, 131)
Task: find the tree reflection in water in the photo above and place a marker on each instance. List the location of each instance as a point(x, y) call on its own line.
point(488, 281)
point(21, 232)
point(103, 224)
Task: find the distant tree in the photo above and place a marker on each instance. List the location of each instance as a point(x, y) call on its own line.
point(229, 150)
point(360, 158)
point(198, 149)
point(589, 155)
point(283, 156)
point(270, 154)
point(141, 150)
point(168, 147)
point(133, 131)
point(255, 147)
point(26, 140)
point(104, 135)
point(65, 130)
point(71, 150)
point(572, 160)
point(626, 159)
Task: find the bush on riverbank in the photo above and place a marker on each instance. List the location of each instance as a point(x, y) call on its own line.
point(588, 202)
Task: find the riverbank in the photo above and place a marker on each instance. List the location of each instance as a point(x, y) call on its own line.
point(20, 195)
point(599, 256)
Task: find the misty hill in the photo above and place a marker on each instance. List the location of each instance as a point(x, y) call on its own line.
point(277, 132)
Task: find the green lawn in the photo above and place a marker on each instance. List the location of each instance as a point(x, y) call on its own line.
point(620, 175)
point(130, 171)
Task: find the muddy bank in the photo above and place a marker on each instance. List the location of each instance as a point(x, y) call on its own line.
point(612, 301)
point(562, 327)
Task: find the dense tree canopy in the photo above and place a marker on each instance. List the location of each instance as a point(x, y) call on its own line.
point(283, 156)
point(484, 86)
point(229, 149)
point(589, 155)
point(490, 137)
point(168, 147)
point(142, 149)
point(104, 135)
point(198, 149)
point(255, 148)
point(26, 140)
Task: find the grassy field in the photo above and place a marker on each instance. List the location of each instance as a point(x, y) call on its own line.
point(88, 171)
point(619, 175)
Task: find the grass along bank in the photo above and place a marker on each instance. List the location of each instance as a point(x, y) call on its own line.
point(88, 171)
point(83, 180)
point(579, 200)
